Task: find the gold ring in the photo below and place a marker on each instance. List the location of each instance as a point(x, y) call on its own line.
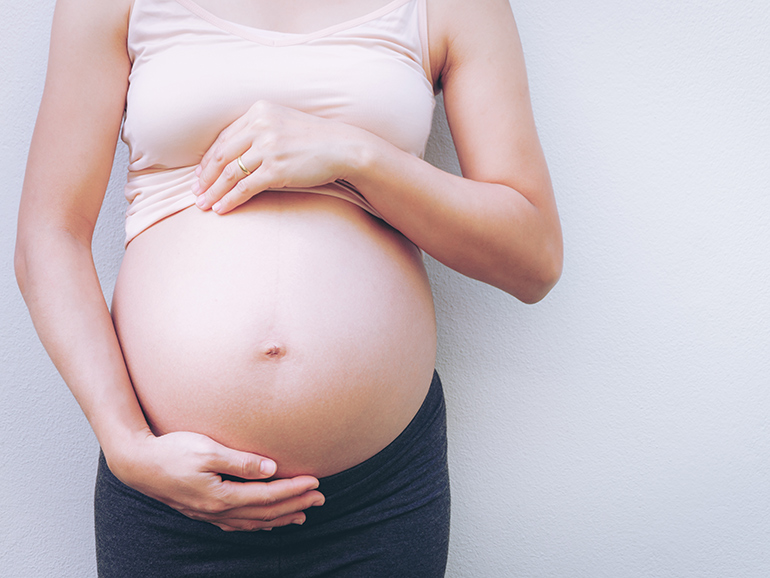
point(246, 171)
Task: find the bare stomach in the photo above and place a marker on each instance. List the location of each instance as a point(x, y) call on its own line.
point(297, 327)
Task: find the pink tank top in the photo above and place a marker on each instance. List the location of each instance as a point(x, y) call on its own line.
point(193, 74)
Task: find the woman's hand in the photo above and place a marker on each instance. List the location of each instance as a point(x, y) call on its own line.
point(182, 470)
point(278, 147)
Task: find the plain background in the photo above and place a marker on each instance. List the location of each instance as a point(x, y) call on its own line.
point(617, 429)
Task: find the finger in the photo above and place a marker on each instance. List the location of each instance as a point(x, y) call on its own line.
point(229, 180)
point(244, 465)
point(258, 181)
point(249, 494)
point(279, 510)
point(226, 135)
point(227, 528)
point(236, 525)
point(219, 155)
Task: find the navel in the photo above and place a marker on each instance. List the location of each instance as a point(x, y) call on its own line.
point(272, 350)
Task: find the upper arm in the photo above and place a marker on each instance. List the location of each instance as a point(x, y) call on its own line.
point(74, 140)
point(486, 97)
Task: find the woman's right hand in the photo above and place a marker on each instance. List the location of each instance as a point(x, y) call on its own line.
point(182, 470)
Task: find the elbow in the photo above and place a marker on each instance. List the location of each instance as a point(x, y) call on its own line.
point(545, 270)
point(538, 288)
point(534, 286)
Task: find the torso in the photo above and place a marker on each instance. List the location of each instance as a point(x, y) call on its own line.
point(298, 327)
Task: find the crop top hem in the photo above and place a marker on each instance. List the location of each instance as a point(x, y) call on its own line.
point(180, 197)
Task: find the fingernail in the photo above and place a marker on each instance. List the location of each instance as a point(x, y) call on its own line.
point(216, 207)
point(318, 502)
point(200, 201)
point(298, 521)
point(198, 171)
point(267, 467)
point(196, 188)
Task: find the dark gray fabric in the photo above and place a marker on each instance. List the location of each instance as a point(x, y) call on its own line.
point(386, 517)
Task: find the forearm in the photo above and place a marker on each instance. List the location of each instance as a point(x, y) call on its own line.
point(59, 283)
point(488, 231)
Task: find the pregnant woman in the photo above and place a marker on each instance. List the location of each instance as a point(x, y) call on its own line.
point(268, 360)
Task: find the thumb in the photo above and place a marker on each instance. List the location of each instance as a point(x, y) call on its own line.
point(244, 465)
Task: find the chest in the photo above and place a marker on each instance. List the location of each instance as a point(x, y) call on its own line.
point(291, 16)
point(193, 74)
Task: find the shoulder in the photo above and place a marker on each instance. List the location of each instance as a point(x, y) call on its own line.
point(459, 29)
point(87, 36)
point(101, 18)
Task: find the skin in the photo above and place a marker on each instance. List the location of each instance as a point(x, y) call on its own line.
point(292, 354)
point(498, 223)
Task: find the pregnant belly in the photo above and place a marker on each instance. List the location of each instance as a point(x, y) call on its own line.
point(297, 327)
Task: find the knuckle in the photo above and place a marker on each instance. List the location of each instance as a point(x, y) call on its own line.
point(241, 463)
point(229, 172)
point(269, 141)
point(268, 499)
point(195, 509)
point(209, 453)
point(270, 514)
point(212, 507)
point(190, 513)
point(217, 507)
point(201, 449)
point(277, 178)
point(207, 175)
point(241, 189)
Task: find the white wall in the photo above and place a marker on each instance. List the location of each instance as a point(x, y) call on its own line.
point(617, 429)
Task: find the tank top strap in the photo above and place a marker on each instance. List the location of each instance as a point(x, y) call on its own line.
point(424, 39)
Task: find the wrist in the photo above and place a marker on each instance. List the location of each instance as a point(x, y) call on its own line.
point(125, 449)
point(361, 157)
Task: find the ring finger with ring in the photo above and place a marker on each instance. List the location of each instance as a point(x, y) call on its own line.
point(231, 178)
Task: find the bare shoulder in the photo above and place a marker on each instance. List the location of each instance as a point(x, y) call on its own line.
point(462, 29)
point(108, 16)
point(88, 31)
point(88, 62)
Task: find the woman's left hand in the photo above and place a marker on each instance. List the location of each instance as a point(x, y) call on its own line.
point(279, 147)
